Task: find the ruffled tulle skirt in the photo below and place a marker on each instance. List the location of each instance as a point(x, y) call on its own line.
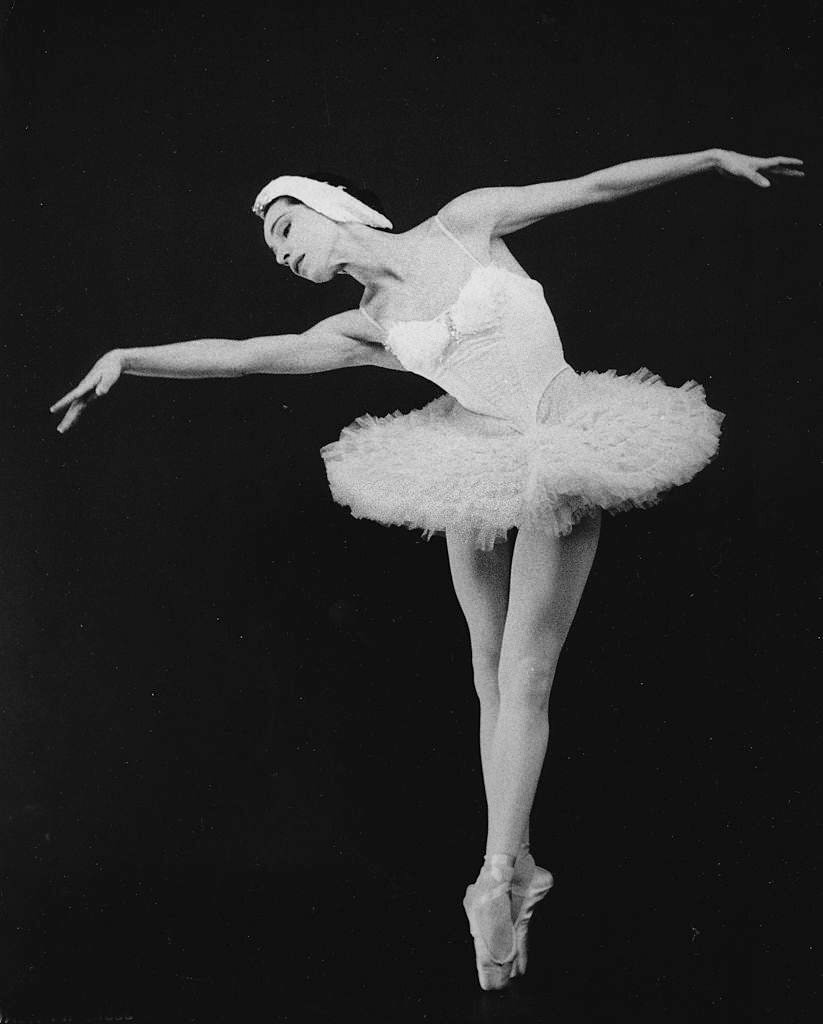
point(601, 440)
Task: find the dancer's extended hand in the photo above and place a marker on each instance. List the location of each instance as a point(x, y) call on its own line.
point(97, 382)
point(755, 168)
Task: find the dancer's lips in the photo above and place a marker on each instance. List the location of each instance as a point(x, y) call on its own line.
point(299, 263)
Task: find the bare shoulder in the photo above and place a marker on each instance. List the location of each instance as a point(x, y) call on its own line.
point(477, 208)
point(471, 219)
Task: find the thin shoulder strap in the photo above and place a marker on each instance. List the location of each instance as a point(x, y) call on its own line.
point(370, 318)
point(456, 241)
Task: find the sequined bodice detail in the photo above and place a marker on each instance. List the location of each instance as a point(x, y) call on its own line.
point(495, 349)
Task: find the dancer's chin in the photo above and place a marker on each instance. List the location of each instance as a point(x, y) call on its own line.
point(319, 276)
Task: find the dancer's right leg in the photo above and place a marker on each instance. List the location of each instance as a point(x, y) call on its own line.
point(481, 583)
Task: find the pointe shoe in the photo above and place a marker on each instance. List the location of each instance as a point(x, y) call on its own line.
point(539, 884)
point(491, 973)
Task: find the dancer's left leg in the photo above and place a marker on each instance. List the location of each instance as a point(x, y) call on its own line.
point(546, 583)
point(548, 576)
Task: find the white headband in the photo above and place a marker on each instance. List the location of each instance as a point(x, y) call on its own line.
point(333, 201)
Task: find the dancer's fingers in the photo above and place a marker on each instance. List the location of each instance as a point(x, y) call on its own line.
point(85, 385)
point(66, 400)
point(72, 416)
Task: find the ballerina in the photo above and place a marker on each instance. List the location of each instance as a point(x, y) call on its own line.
point(514, 464)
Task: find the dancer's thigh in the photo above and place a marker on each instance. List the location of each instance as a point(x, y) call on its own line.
point(548, 576)
point(481, 584)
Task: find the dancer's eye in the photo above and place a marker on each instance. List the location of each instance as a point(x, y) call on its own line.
point(286, 231)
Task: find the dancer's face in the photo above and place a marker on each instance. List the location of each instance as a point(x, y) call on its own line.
point(301, 239)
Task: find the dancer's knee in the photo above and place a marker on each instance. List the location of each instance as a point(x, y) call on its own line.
point(527, 680)
point(485, 668)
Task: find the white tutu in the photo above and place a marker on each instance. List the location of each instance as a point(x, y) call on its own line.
point(601, 440)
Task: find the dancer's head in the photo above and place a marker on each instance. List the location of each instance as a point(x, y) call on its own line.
point(302, 218)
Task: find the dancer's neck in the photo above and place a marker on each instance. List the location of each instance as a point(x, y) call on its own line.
point(375, 258)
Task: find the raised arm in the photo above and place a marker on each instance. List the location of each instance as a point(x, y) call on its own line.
point(501, 211)
point(346, 339)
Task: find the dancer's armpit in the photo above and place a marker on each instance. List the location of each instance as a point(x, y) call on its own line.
point(332, 344)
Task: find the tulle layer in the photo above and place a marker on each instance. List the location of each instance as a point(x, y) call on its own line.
point(602, 440)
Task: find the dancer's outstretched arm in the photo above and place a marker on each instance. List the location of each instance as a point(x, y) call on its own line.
point(500, 211)
point(345, 339)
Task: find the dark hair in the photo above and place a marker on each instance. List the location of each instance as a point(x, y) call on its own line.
point(365, 195)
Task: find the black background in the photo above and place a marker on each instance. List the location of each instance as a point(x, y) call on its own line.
point(240, 777)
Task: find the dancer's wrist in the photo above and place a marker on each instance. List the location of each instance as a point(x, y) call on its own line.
point(714, 158)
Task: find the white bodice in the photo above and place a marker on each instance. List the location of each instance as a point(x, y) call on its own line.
point(495, 348)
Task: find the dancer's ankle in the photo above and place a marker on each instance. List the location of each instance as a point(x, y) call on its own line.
point(500, 866)
point(525, 864)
